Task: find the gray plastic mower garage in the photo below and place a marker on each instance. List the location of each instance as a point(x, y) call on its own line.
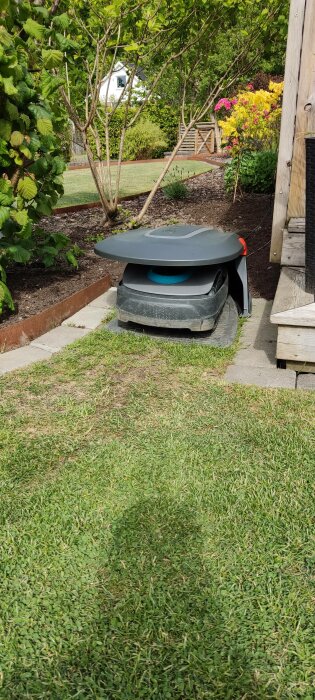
point(178, 277)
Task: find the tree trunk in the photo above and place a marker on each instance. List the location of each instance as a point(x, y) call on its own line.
point(164, 171)
point(110, 211)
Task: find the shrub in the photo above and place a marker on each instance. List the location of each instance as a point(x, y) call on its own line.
point(31, 166)
point(175, 188)
point(144, 140)
point(253, 119)
point(254, 172)
point(166, 116)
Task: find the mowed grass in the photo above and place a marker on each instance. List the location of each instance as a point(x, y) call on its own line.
point(135, 179)
point(157, 529)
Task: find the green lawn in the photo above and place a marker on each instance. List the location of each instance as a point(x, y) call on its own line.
point(157, 529)
point(135, 178)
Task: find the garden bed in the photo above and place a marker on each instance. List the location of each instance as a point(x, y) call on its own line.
point(34, 289)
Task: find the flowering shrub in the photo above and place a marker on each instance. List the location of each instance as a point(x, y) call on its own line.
point(253, 120)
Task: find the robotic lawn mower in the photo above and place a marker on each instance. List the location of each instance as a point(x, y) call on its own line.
point(179, 277)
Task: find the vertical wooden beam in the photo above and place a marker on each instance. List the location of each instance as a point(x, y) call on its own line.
point(304, 115)
point(291, 82)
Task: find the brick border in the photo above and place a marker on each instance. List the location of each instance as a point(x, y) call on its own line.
point(20, 333)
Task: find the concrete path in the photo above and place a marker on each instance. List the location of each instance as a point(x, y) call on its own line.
point(75, 327)
point(254, 363)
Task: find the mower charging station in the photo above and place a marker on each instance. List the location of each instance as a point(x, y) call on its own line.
point(178, 277)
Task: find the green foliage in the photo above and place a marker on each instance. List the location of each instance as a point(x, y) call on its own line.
point(144, 140)
point(175, 188)
point(253, 172)
point(30, 161)
point(166, 116)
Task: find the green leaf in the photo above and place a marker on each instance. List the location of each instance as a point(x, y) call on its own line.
point(26, 120)
point(41, 12)
point(72, 259)
point(49, 84)
point(52, 58)
point(21, 217)
point(4, 4)
point(16, 156)
point(45, 127)
point(5, 37)
point(5, 129)
point(26, 152)
point(16, 138)
point(27, 188)
point(8, 86)
point(18, 253)
point(5, 297)
point(4, 214)
point(39, 167)
point(11, 110)
point(38, 111)
point(33, 29)
point(58, 166)
point(43, 207)
point(61, 21)
point(6, 193)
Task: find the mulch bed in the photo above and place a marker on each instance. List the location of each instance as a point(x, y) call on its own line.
point(34, 288)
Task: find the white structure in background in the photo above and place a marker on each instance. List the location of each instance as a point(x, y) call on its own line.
point(117, 83)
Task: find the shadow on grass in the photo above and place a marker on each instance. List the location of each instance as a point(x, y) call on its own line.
point(160, 633)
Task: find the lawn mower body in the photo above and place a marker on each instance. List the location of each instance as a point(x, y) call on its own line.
point(178, 276)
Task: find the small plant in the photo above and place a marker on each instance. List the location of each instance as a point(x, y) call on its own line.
point(174, 187)
point(252, 172)
point(144, 140)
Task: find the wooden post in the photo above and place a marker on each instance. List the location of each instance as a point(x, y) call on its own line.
point(304, 115)
point(291, 81)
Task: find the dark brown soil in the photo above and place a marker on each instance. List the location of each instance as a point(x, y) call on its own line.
point(34, 288)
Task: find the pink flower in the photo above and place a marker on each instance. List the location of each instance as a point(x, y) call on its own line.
point(234, 101)
point(224, 102)
point(249, 86)
point(266, 113)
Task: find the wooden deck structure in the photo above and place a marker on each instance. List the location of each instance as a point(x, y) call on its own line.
point(202, 140)
point(294, 309)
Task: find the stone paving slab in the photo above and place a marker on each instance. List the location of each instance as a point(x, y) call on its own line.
point(88, 317)
point(306, 382)
point(106, 300)
point(59, 338)
point(257, 357)
point(21, 357)
point(268, 377)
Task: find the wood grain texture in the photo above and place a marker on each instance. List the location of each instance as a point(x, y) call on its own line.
point(291, 292)
point(303, 316)
point(293, 249)
point(291, 82)
point(305, 116)
point(296, 225)
point(297, 344)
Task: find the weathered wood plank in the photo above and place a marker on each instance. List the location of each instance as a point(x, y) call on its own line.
point(305, 119)
point(291, 81)
point(296, 225)
point(290, 292)
point(296, 344)
point(301, 366)
point(303, 316)
point(293, 249)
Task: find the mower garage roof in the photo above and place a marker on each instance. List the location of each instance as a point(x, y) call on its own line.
point(172, 246)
